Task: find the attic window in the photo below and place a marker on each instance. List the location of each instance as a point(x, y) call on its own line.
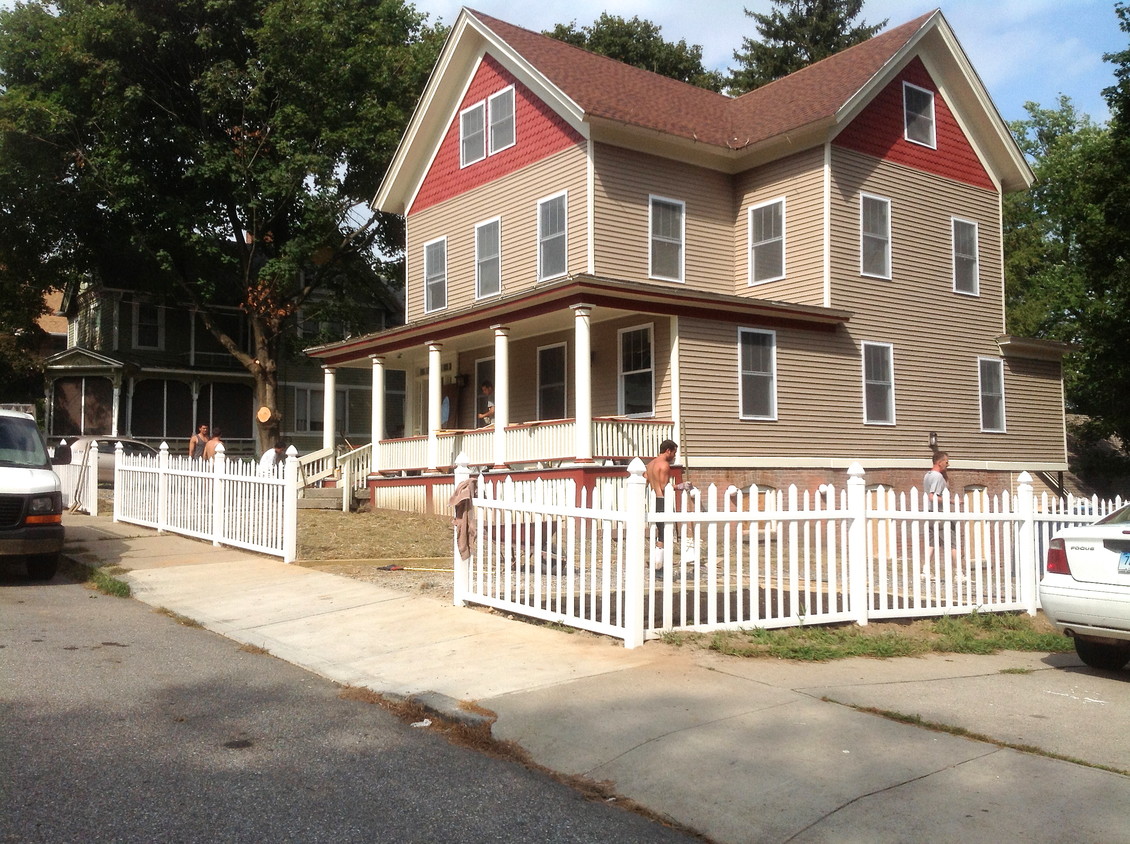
point(918, 115)
point(495, 114)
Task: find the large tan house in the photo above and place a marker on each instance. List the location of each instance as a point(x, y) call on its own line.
point(785, 283)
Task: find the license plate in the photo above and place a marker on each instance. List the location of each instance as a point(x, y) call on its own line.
point(1124, 563)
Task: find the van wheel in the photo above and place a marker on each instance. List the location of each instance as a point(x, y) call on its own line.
point(42, 566)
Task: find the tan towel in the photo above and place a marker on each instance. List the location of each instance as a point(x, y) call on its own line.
point(462, 501)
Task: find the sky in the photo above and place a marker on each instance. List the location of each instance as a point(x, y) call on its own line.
point(1023, 50)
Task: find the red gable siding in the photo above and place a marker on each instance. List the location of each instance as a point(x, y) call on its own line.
point(878, 131)
point(539, 133)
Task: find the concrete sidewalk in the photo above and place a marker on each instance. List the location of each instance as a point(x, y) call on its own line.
point(740, 750)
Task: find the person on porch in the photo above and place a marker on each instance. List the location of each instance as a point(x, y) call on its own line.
point(487, 392)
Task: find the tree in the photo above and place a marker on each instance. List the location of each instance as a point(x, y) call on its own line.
point(21, 368)
point(214, 151)
point(640, 44)
point(794, 35)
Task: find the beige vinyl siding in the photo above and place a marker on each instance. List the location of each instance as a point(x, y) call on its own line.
point(1033, 399)
point(513, 198)
point(799, 180)
point(624, 182)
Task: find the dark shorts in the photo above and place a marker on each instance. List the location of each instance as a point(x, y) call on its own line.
point(938, 531)
point(659, 503)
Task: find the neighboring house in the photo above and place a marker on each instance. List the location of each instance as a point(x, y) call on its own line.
point(786, 283)
point(136, 367)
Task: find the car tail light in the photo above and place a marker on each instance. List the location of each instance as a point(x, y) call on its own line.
point(1057, 558)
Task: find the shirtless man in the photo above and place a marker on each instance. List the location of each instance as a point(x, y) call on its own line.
point(658, 474)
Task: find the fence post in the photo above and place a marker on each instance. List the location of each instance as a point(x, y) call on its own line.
point(219, 463)
point(858, 564)
point(91, 491)
point(1026, 553)
point(635, 525)
point(346, 481)
point(462, 473)
point(162, 487)
point(290, 505)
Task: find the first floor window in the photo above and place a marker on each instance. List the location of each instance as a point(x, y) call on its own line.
point(667, 235)
point(435, 275)
point(552, 240)
point(965, 273)
point(767, 242)
point(551, 382)
point(757, 352)
point(637, 391)
point(396, 396)
point(488, 262)
point(875, 236)
point(992, 394)
point(310, 413)
point(878, 384)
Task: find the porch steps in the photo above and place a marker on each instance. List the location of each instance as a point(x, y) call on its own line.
point(326, 498)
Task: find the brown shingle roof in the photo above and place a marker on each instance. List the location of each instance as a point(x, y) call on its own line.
point(608, 89)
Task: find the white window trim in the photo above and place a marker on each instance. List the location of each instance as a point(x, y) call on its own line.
point(651, 200)
point(999, 364)
point(954, 221)
point(863, 378)
point(541, 273)
point(564, 376)
point(478, 259)
point(160, 326)
point(432, 242)
point(341, 406)
point(491, 148)
point(890, 244)
point(772, 417)
point(933, 144)
point(749, 240)
point(482, 107)
point(650, 327)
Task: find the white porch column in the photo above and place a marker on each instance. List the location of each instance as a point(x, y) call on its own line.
point(501, 392)
point(329, 411)
point(116, 405)
point(582, 346)
point(378, 411)
point(435, 397)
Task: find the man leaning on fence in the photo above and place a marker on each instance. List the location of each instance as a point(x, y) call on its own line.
point(272, 458)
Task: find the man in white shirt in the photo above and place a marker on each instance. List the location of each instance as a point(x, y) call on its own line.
point(271, 458)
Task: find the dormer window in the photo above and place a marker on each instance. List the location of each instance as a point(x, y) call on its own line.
point(918, 115)
point(487, 127)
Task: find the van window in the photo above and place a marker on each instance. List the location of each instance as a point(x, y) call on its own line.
point(21, 445)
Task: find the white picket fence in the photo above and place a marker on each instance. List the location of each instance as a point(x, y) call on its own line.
point(79, 481)
point(221, 500)
point(746, 559)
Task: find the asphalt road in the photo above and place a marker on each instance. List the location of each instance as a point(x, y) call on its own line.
point(119, 724)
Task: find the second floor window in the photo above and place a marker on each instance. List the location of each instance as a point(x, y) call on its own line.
point(991, 378)
point(767, 242)
point(435, 275)
point(875, 236)
point(551, 382)
point(965, 272)
point(552, 239)
point(637, 390)
point(757, 353)
point(148, 326)
point(878, 384)
point(918, 115)
point(488, 260)
point(667, 232)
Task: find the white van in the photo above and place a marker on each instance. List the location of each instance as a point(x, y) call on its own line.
point(31, 502)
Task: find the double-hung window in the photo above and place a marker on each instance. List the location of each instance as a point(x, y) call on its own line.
point(667, 233)
point(435, 275)
point(757, 363)
point(488, 259)
point(965, 270)
point(148, 326)
point(551, 382)
point(918, 115)
point(878, 384)
point(500, 107)
point(991, 381)
point(472, 134)
point(874, 236)
point(552, 237)
point(767, 241)
point(309, 410)
point(637, 392)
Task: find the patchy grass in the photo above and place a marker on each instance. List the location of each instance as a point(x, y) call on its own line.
point(977, 633)
point(101, 579)
point(372, 535)
point(178, 618)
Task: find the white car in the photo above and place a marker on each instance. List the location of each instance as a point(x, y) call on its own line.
point(107, 452)
point(1085, 590)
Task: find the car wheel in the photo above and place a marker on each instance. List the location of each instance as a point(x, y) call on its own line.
point(1101, 654)
point(42, 566)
